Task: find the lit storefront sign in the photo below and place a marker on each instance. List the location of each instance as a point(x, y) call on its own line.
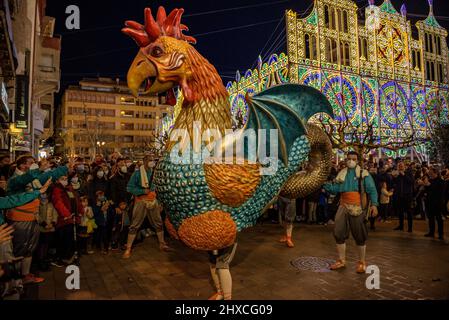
point(21, 112)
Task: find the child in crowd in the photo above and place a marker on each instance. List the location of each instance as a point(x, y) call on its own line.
point(86, 227)
point(121, 226)
point(104, 216)
point(384, 200)
point(48, 217)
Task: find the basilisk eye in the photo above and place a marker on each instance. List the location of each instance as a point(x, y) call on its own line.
point(157, 52)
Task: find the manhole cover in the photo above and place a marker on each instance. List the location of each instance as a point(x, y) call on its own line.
point(314, 264)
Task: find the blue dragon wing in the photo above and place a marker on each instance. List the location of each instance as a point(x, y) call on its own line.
point(287, 108)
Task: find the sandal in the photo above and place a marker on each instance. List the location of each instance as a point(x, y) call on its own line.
point(338, 265)
point(127, 254)
point(361, 267)
point(217, 296)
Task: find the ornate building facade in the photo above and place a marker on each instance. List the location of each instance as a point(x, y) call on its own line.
point(380, 72)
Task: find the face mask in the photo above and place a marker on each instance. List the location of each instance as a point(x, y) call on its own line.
point(100, 174)
point(64, 183)
point(102, 198)
point(80, 168)
point(106, 172)
point(43, 196)
point(124, 169)
point(351, 164)
point(128, 164)
point(34, 166)
point(74, 180)
point(76, 185)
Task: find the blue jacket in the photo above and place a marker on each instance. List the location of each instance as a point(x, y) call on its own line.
point(351, 184)
point(135, 184)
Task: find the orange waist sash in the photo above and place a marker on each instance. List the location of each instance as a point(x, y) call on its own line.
point(351, 198)
point(26, 212)
point(147, 197)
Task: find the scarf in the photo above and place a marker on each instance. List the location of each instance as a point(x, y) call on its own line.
point(341, 177)
point(144, 178)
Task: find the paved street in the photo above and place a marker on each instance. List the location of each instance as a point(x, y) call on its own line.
point(411, 266)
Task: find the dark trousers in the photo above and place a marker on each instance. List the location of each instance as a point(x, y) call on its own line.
point(65, 246)
point(384, 209)
point(434, 214)
point(83, 239)
point(45, 240)
point(403, 207)
point(101, 238)
point(322, 214)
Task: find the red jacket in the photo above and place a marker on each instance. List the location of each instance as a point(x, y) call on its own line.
point(63, 205)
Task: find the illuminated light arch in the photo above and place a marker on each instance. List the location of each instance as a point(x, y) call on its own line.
point(393, 105)
point(342, 96)
point(418, 107)
point(368, 101)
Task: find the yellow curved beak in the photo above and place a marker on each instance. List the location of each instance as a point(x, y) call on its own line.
point(140, 70)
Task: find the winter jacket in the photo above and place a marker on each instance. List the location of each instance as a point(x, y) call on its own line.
point(103, 218)
point(351, 184)
point(135, 183)
point(48, 217)
point(435, 198)
point(66, 202)
point(404, 185)
point(118, 191)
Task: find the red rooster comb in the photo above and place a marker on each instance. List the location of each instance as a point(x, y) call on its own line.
point(164, 26)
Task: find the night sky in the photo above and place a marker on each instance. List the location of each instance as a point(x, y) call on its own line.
point(100, 49)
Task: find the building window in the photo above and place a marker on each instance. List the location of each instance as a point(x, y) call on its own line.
point(109, 113)
point(363, 48)
point(438, 44)
point(313, 50)
point(126, 139)
point(345, 53)
point(432, 47)
point(418, 59)
point(127, 114)
point(307, 45)
point(430, 71)
point(127, 100)
point(333, 51)
point(127, 126)
point(326, 16)
point(332, 18)
point(345, 21)
point(338, 18)
point(440, 72)
point(48, 115)
point(414, 64)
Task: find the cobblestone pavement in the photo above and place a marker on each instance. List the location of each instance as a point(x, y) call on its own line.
point(411, 267)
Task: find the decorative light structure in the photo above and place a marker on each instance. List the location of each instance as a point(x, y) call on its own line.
point(374, 73)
